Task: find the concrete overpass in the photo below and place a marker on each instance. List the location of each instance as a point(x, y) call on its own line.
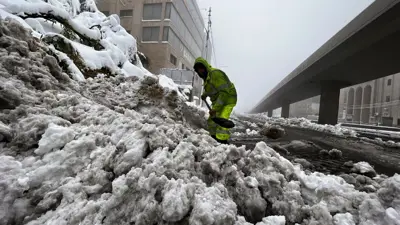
point(366, 49)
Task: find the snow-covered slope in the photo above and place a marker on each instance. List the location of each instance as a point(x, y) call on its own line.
point(84, 41)
point(126, 150)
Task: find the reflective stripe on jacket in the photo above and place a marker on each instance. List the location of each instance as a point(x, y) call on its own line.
point(218, 87)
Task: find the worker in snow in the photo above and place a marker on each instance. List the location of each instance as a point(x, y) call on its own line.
point(222, 93)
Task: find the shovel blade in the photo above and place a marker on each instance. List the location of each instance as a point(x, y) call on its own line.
point(223, 122)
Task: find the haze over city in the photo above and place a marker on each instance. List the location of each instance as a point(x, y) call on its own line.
point(259, 42)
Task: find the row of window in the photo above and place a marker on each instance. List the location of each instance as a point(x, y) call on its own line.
point(195, 42)
point(152, 34)
point(154, 12)
point(150, 11)
point(174, 61)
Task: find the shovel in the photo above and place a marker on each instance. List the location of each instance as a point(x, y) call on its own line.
point(221, 121)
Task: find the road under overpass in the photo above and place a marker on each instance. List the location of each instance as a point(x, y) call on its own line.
point(366, 49)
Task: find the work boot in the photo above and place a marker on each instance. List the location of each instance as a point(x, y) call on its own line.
point(222, 141)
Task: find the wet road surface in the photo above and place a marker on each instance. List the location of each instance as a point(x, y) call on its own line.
point(385, 160)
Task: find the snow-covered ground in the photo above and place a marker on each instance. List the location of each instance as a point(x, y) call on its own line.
point(336, 130)
point(130, 150)
point(304, 123)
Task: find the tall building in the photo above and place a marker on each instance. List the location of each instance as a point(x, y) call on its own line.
point(170, 33)
point(374, 102)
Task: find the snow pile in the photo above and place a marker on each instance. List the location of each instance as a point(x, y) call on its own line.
point(252, 132)
point(251, 125)
point(247, 133)
point(305, 124)
point(335, 153)
point(379, 141)
point(363, 168)
point(272, 131)
point(84, 41)
point(125, 150)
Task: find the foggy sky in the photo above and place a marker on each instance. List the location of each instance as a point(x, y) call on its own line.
point(259, 42)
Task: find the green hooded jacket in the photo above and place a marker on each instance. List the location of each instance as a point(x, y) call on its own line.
point(218, 87)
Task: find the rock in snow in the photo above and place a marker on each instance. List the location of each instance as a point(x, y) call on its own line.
point(123, 150)
point(364, 168)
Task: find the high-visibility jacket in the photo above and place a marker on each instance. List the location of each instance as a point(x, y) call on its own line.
point(218, 87)
point(223, 96)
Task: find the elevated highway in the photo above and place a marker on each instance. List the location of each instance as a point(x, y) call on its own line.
point(365, 49)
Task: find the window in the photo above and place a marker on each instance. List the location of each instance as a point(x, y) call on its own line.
point(183, 32)
point(165, 34)
point(183, 66)
point(389, 82)
point(150, 33)
point(126, 13)
point(170, 36)
point(152, 11)
point(387, 98)
point(172, 59)
point(168, 10)
point(107, 13)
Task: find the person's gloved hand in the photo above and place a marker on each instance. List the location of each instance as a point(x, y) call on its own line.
point(203, 97)
point(212, 113)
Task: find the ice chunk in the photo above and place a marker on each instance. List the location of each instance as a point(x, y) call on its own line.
point(54, 137)
point(273, 220)
point(335, 153)
point(168, 83)
point(393, 216)
point(177, 200)
point(343, 219)
point(213, 206)
point(364, 168)
point(5, 132)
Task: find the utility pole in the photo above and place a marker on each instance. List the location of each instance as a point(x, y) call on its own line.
point(205, 50)
point(208, 33)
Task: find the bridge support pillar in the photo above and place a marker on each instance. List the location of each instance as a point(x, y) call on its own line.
point(329, 104)
point(285, 110)
point(270, 113)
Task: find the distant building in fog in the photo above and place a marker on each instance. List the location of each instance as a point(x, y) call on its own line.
point(373, 102)
point(307, 108)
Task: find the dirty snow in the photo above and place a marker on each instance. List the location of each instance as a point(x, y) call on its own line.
point(248, 132)
point(363, 167)
point(304, 124)
point(128, 150)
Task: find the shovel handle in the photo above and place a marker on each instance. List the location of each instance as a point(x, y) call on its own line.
point(208, 106)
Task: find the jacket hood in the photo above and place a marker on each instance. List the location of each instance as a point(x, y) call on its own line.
point(204, 62)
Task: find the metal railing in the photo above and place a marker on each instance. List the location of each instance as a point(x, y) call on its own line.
point(185, 77)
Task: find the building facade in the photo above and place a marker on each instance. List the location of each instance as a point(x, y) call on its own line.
point(170, 33)
point(375, 102)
